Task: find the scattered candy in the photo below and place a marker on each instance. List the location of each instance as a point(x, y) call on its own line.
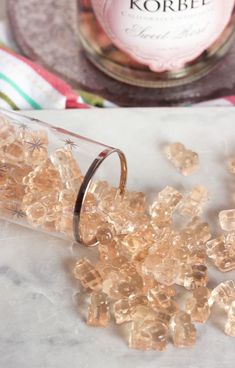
point(183, 330)
point(142, 252)
point(184, 160)
point(230, 324)
point(227, 220)
point(98, 312)
point(148, 335)
point(192, 205)
point(198, 306)
point(224, 294)
point(88, 275)
point(222, 252)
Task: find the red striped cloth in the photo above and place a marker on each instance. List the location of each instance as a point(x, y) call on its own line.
point(26, 85)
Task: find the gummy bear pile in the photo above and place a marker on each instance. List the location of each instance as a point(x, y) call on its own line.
point(37, 188)
point(147, 253)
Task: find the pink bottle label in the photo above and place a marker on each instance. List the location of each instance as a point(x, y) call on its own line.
point(163, 34)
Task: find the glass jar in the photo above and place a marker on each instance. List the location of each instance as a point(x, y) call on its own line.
point(156, 43)
point(50, 178)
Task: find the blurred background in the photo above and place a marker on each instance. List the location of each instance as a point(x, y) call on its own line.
point(56, 41)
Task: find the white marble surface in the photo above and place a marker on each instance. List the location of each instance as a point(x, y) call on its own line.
point(40, 323)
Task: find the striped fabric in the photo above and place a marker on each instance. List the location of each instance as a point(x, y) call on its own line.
point(26, 85)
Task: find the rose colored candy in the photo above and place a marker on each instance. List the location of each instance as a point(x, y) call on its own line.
point(183, 331)
point(88, 275)
point(148, 335)
point(184, 160)
point(98, 311)
point(222, 251)
point(198, 306)
point(7, 132)
point(230, 323)
point(192, 204)
point(227, 220)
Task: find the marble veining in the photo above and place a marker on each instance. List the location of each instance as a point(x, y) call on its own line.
point(42, 307)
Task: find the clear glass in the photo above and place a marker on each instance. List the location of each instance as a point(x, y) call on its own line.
point(48, 175)
point(116, 59)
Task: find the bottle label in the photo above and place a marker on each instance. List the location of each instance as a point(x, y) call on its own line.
point(163, 34)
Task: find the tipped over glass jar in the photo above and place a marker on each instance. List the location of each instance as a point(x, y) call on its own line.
point(156, 43)
point(51, 179)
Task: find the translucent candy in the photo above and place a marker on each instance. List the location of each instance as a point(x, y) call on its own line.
point(43, 208)
point(98, 311)
point(133, 244)
point(4, 173)
point(11, 191)
point(160, 296)
point(165, 241)
point(105, 234)
point(183, 331)
point(198, 306)
point(14, 153)
point(196, 233)
point(36, 213)
point(148, 280)
point(192, 249)
point(126, 222)
point(68, 168)
point(50, 226)
point(135, 202)
point(99, 189)
point(67, 197)
point(124, 309)
point(215, 248)
point(192, 204)
point(230, 323)
point(193, 276)
point(90, 203)
point(167, 272)
point(222, 251)
point(142, 252)
point(165, 314)
point(148, 335)
point(149, 312)
point(89, 225)
point(44, 178)
point(164, 270)
point(7, 132)
point(18, 173)
point(184, 160)
point(223, 294)
point(88, 275)
point(168, 198)
point(111, 201)
point(162, 216)
point(64, 220)
point(227, 220)
point(123, 283)
point(109, 253)
point(143, 313)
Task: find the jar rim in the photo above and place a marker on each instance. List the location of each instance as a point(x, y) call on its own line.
point(81, 197)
